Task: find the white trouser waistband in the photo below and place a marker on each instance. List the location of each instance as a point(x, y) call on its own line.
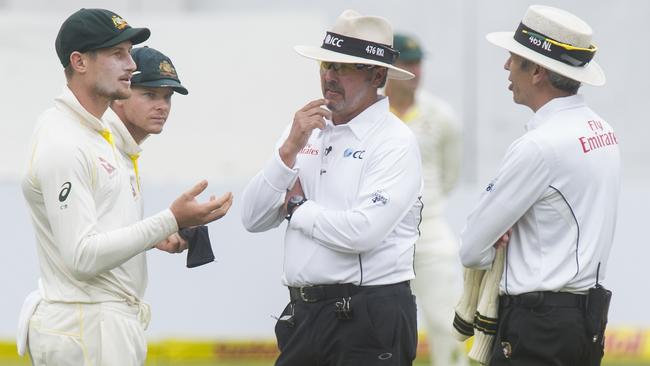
point(141, 310)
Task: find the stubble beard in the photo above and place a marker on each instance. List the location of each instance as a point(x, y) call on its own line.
point(116, 94)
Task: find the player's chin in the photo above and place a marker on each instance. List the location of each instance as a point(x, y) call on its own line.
point(155, 129)
point(121, 93)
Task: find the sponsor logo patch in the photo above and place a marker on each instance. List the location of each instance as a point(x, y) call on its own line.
point(334, 41)
point(490, 187)
point(380, 197)
point(65, 191)
point(309, 150)
point(106, 165)
point(355, 154)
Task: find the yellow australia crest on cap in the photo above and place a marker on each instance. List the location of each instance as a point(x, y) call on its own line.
point(119, 22)
point(167, 69)
point(411, 44)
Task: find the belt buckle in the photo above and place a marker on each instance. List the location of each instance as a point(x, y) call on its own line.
point(303, 295)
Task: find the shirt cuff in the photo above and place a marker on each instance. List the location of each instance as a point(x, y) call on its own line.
point(278, 175)
point(165, 224)
point(304, 217)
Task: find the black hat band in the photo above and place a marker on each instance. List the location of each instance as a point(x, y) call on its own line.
point(566, 53)
point(360, 48)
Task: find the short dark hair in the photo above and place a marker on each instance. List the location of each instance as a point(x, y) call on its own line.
point(558, 81)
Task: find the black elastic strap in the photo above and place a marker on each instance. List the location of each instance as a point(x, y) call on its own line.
point(360, 48)
point(539, 43)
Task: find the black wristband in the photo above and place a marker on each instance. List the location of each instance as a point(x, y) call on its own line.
point(293, 204)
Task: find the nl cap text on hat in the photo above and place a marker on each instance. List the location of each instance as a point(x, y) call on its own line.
point(556, 40)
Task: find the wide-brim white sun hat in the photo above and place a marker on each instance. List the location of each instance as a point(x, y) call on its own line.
point(556, 40)
point(358, 39)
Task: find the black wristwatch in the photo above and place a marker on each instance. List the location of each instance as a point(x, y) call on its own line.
point(294, 202)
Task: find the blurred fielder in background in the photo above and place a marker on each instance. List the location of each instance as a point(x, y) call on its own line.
point(437, 267)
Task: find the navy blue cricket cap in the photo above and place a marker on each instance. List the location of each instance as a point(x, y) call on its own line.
point(93, 29)
point(155, 70)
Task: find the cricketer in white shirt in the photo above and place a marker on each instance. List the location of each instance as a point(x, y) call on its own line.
point(91, 242)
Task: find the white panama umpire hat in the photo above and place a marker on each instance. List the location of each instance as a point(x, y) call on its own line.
point(556, 40)
point(358, 39)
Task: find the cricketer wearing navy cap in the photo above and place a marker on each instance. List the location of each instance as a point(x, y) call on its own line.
point(91, 236)
point(93, 29)
point(154, 69)
point(145, 112)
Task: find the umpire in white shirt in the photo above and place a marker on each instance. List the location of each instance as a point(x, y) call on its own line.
point(557, 188)
point(346, 176)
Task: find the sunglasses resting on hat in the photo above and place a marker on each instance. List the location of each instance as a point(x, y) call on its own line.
point(343, 67)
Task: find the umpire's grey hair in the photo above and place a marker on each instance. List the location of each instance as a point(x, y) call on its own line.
point(558, 81)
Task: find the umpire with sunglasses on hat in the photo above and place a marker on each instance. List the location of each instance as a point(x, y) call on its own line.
point(345, 177)
point(555, 196)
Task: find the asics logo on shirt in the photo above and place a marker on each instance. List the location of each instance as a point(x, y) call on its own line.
point(355, 154)
point(65, 191)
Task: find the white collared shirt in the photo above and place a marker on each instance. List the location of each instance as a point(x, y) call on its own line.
point(362, 180)
point(558, 188)
point(91, 243)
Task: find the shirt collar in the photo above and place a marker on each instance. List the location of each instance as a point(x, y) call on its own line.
point(553, 106)
point(364, 121)
point(123, 139)
point(68, 100)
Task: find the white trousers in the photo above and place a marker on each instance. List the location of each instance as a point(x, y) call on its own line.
point(438, 286)
point(101, 334)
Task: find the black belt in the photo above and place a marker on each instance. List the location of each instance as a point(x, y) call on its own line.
point(543, 298)
point(325, 292)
